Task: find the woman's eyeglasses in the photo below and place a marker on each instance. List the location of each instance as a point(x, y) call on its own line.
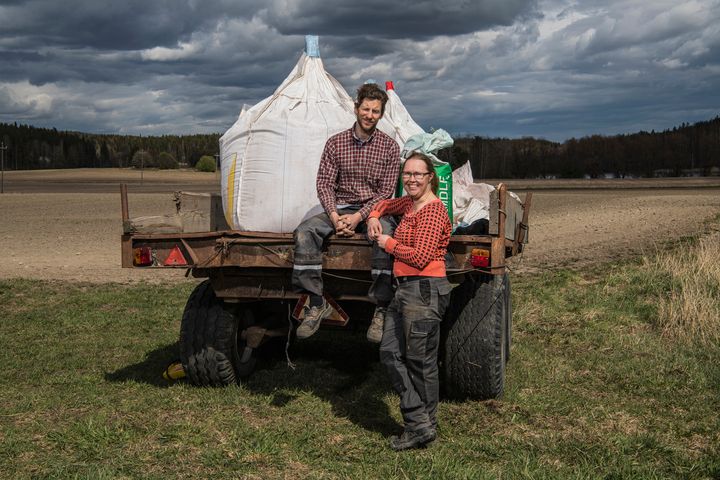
point(414, 175)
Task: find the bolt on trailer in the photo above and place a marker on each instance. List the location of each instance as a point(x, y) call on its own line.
point(246, 299)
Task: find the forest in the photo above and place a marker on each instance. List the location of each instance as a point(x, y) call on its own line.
point(31, 148)
point(685, 150)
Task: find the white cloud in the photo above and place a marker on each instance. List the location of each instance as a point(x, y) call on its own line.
point(487, 93)
point(26, 101)
point(672, 63)
point(579, 62)
point(162, 54)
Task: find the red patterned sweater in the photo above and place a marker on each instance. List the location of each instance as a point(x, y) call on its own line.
point(420, 240)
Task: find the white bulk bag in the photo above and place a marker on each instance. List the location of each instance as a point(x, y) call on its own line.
point(397, 122)
point(270, 156)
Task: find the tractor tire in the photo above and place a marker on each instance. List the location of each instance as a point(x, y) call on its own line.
point(211, 349)
point(474, 339)
point(508, 317)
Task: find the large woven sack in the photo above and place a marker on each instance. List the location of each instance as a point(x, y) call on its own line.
point(270, 156)
point(397, 121)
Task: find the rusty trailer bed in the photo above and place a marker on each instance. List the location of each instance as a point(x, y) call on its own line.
point(258, 265)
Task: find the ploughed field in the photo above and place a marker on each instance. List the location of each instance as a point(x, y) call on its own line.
point(66, 225)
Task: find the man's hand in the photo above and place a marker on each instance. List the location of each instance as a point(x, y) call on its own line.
point(382, 240)
point(374, 229)
point(338, 224)
point(350, 222)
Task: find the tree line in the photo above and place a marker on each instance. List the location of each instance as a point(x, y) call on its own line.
point(682, 151)
point(31, 148)
point(687, 150)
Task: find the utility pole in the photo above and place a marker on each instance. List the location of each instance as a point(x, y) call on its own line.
point(142, 166)
point(3, 147)
point(142, 161)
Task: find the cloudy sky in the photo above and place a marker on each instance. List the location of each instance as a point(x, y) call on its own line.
point(549, 68)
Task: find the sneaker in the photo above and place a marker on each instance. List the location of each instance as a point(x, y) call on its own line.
point(313, 318)
point(413, 439)
point(375, 332)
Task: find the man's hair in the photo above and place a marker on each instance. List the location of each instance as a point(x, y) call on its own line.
point(434, 181)
point(371, 91)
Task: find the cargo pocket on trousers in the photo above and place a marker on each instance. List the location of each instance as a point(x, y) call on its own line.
point(444, 289)
point(420, 330)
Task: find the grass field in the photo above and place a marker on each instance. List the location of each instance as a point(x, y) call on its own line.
point(595, 389)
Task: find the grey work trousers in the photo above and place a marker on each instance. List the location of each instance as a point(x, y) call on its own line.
point(409, 347)
point(307, 268)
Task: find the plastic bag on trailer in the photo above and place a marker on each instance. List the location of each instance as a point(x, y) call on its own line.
point(471, 201)
point(429, 144)
point(270, 156)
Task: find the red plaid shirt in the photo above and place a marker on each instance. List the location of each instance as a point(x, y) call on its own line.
point(355, 172)
point(420, 240)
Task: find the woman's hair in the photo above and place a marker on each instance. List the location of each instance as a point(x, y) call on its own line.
point(434, 181)
point(371, 91)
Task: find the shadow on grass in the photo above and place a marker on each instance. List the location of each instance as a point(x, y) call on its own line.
point(341, 368)
point(148, 371)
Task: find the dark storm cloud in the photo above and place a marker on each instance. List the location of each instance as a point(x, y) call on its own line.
point(398, 19)
point(552, 68)
point(363, 47)
point(106, 25)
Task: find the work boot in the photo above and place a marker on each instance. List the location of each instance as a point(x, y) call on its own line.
point(313, 318)
point(375, 332)
point(413, 439)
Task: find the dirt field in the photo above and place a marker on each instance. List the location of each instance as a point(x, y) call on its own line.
point(66, 225)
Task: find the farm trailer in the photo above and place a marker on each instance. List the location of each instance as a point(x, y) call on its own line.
point(247, 296)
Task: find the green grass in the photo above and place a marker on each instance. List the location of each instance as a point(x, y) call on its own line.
point(593, 390)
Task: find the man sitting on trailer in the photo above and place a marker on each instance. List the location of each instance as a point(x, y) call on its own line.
point(359, 167)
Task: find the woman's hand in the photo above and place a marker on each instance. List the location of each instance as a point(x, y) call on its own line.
point(382, 240)
point(374, 229)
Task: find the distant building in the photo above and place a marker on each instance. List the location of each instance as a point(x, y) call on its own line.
point(691, 172)
point(663, 172)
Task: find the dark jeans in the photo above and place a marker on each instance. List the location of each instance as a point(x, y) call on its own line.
point(409, 347)
point(307, 269)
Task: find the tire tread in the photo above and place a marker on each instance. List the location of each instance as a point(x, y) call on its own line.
point(208, 334)
point(474, 339)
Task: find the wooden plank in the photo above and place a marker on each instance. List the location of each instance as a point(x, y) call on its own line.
point(126, 252)
point(493, 219)
point(124, 202)
point(497, 251)
point(261, 283)
point(514, 210)
point(207, 251)
point(200, 212)
point(153, 224)
point(177, 236)
point(513, 215)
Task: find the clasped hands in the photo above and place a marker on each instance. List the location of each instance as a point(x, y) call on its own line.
point(346, 224)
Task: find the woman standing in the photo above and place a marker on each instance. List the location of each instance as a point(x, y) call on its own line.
point(411, 334)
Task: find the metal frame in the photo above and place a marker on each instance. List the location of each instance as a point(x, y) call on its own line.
point(258, 265)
